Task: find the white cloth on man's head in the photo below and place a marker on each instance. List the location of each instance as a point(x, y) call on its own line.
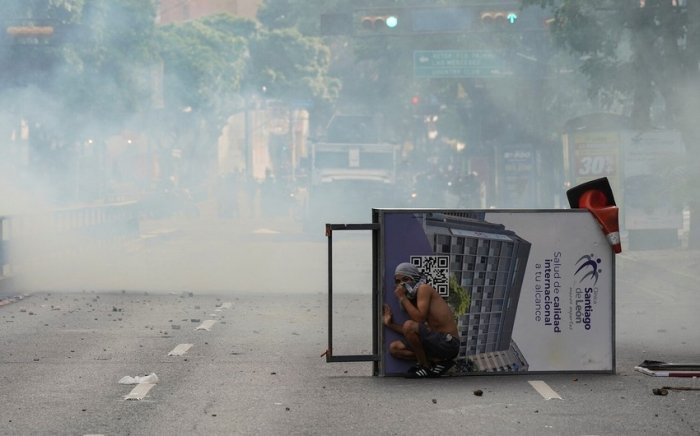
point(409, 270)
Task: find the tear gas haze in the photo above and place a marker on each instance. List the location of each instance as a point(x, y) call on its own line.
point(143, 151)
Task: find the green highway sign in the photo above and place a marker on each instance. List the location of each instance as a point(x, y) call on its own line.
point(459, 64)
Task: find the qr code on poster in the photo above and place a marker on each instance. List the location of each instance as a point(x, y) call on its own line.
point(436, 270)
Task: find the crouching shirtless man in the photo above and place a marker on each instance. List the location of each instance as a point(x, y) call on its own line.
point(430, 336)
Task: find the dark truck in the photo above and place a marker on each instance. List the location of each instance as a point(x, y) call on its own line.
point(351, 172)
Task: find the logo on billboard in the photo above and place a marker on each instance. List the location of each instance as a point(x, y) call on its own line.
point(588, 267)
point(586, 296)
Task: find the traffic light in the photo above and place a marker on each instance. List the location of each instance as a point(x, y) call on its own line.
point(498, 17)
point(378, 21)
point(425, 106)
point(504, 17)
point(507, 16)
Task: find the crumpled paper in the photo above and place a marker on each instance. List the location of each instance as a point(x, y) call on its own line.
point(128, 380)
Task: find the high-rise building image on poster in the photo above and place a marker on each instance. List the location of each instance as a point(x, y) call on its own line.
point(486, 267)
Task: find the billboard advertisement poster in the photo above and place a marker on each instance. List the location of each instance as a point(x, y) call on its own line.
point(594, 155)
point(517, 175)
point(653, 161)
point(528, 291)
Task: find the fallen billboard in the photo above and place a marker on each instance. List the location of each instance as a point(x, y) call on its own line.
point(528, 291)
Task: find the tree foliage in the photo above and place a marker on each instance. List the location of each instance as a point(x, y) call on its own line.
point(376, 74)
point(459, 298)
point(94, 69)
point(303, 15)
point(204, 60)
point(644, 56)
point(218, 65)
point(290, 66)
point(101, 65)
point(109, 60)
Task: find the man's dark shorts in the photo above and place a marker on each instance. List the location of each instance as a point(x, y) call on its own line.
point(442, 346)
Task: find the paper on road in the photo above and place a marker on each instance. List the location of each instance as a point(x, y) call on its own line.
point(151, 378)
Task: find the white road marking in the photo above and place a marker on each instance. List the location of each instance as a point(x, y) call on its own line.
point(206, 325)
point(139, 391)
point(543, 389)
point(180, 350)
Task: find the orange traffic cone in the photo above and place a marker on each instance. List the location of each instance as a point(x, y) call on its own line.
point(597, 197)
point(607, 216)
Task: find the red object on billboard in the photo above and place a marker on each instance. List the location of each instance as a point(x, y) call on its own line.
point(596, 196)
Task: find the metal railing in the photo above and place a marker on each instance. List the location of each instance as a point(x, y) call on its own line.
point(63, 230)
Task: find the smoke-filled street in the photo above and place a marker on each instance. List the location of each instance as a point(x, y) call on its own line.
point(511, 187)
point(250, 349)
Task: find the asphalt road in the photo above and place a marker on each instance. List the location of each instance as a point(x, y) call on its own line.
point(258, 370)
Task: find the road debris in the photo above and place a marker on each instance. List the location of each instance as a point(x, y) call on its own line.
point(664, 390)
point(663, 369)
point(151, 378)
point(206, 325)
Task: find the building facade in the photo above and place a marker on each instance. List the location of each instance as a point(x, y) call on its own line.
point(488, 262)
point(175, 11)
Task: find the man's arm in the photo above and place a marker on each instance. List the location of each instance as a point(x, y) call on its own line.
point(389, 320)
point(419, 311)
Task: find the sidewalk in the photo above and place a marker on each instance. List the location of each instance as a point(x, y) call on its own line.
point(679, 261)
